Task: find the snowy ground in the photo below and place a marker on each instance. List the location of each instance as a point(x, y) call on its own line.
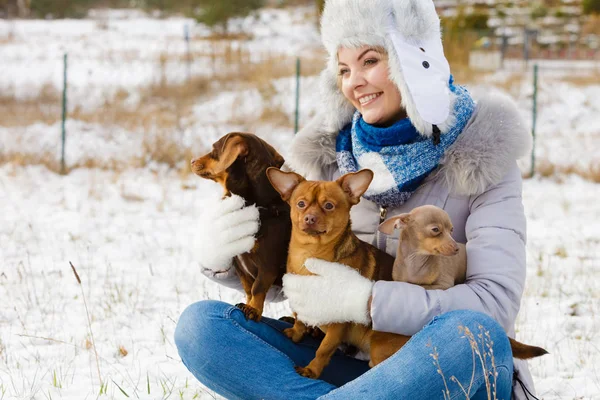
point(129, 230)
point(129, 236)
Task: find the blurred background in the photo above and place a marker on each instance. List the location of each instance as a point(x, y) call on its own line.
point(103, 103)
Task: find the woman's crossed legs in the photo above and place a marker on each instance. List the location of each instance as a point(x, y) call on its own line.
point(242, 359)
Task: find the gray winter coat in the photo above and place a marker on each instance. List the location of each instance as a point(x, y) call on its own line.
point(479, 184)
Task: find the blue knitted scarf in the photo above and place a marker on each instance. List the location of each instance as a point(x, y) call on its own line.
point(398, 155)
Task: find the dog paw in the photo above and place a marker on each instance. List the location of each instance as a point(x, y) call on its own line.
point(249, 312)
point(315, 332)
point(289, 320)
point(293, 334)
point(306, 372)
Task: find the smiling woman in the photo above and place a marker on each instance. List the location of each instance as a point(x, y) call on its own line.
point(389, 104)
point(364, 80)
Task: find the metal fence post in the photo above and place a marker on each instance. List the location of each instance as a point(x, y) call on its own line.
point(186, 33)
point(297, 95)
point(64, 115)
point(535, 88)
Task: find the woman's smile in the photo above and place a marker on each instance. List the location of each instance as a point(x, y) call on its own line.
point(368, 99)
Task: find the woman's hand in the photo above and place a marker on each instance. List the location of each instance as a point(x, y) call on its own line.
point(336, 293)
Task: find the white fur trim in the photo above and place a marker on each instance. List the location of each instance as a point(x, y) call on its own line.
point(313, 148)
point(337, 293)
point(226, 229)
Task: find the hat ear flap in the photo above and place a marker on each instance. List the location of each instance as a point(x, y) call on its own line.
point(337, 109)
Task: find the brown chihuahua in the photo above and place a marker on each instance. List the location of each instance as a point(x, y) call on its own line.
point(428, 256)
point(238, 162)
point(320, 213)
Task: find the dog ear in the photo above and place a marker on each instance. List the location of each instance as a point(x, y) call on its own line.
point(264, 149)
point(397, 222)
point(355, 184)
point(283, 182)
point(276, 157)
point(233, 147)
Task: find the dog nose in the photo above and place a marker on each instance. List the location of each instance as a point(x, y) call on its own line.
point(199, 166)
point(310, 219)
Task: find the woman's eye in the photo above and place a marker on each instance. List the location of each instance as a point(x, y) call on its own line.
point(328, 206)
point(301, 204)
point(371, 61)
point(343, 72)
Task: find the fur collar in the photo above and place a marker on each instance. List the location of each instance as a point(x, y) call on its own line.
point(494, 138)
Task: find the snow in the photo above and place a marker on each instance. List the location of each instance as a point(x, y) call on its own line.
point(127, 224)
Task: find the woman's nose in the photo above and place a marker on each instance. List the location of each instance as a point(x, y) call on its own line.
point(357, 79)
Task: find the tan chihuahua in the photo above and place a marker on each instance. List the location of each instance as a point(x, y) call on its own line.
point(428, 256)
point(320, 214)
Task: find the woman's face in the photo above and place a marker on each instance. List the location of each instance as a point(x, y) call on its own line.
point(364, 80)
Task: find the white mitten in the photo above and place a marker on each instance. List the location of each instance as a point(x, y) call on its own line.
point(337, 293)
point(227, 231)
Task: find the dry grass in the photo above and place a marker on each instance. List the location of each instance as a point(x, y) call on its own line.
point(512, 83)
point(165, 104)
point(161, 106)
point(547, 169)
point(463, 74)
point(592, 25)
point(45, 108)
point(583, 79)
point(164, 108)
point(483, 354)
point(457, 47)
point(46, 158)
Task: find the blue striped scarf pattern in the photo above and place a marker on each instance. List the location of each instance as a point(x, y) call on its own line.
point(398, 155)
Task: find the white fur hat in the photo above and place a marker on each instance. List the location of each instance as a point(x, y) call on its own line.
point(409, 30)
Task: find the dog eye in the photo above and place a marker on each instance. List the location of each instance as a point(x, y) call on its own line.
point(329, 206)
point(301, 204)
point(435, 229)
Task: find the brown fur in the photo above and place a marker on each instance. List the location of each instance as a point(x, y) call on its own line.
point(328, 236)
point(238, 162)
point(325, 233)
point(428, 256)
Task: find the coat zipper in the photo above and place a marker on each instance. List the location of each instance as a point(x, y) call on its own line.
point(382, 214)
point(380, 238)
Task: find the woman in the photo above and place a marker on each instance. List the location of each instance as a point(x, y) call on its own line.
point(389, 104)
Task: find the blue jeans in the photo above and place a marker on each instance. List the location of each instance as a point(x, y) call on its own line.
point(242, 359)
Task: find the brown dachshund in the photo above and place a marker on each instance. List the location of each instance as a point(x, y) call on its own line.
point(238, 162)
